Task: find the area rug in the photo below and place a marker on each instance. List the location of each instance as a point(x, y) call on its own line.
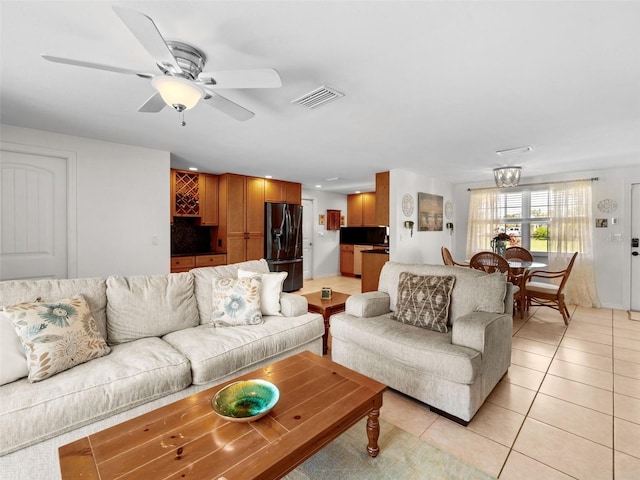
point(402, 456)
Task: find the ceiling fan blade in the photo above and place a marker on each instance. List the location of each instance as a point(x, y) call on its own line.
point(255, 78)
point(148, 35)
point(154, 104)
point(99, 66)
point(227, 106)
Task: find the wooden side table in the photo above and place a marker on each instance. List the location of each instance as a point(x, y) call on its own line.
point(326, 308)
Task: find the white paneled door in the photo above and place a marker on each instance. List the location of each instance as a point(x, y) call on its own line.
point(307, 239)
point(34, 214)
point(635, 247)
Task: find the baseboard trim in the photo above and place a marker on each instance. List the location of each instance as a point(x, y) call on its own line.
point(448, 416)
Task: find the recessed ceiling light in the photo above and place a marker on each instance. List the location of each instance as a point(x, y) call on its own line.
point(332, 179)
point(193, 169)
point(268, 176)
point(510, 151)
point(318, 186)
point(357, 191)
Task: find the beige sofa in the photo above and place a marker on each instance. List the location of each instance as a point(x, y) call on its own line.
point(162, 348)
point(452, 372)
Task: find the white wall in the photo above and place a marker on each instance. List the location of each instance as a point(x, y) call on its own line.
point(422, 247)
point(326, 243)
point(122, 203)
point(611, 245)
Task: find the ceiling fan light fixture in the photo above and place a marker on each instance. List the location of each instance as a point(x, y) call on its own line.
point(178, 92)
point(507, 176)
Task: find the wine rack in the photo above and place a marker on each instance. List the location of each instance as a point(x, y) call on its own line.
point(187, 191)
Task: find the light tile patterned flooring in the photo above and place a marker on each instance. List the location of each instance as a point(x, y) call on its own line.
point(569, 407)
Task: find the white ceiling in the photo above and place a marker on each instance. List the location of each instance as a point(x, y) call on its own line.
point(431, 87)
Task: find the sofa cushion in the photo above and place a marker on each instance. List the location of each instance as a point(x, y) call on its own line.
point(271, 289)
point(423, 300)
point(217, 352)
point(13, 361)
point(473, 291)
point(236, 301)
point(368, 304)
point(56, 335)
point(149, 306)
point(423, 351)
point(134, 373)
point(94, 291)
point(203, 278)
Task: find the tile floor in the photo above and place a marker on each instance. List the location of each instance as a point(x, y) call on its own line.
point(569, 407)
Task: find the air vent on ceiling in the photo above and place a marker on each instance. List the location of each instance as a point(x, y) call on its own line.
point(318, 97)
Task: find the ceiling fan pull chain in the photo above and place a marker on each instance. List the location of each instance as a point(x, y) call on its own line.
point(183, 122)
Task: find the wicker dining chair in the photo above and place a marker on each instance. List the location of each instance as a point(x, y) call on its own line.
point(491, 262)
point(518, 253)
point(548, 294)
point(447, 258)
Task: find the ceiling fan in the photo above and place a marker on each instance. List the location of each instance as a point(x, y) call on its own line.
point(182, 83)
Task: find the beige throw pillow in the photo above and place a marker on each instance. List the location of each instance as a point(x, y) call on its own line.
point(56, 335)
point(13, 362)
point(423, 300)
point(271, 289)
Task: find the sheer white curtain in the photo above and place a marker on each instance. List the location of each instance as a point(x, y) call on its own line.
point(571, 231)
point(484, 219)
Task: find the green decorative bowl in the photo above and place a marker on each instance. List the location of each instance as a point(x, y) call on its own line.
point(245, 401)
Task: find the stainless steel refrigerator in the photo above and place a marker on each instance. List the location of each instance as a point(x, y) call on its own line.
point(283, 242)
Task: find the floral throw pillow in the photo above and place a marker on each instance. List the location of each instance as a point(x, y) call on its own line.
point(56, 335)
point(236, 301)
point(423, 300)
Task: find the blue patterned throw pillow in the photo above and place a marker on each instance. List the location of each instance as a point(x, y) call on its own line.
point(423, 300)
point(236, 301)
point(56, 336)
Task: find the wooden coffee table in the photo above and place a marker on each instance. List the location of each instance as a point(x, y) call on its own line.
point(319, 400)
point(326, 307)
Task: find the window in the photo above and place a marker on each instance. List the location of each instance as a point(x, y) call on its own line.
point(524, 216)
point(552, 220)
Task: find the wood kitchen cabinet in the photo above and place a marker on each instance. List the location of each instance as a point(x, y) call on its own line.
point(187, 262)
point(280, 191)
point(209, 200)
point(346, 260)
point(361, 210)
point(241, 217)
point(382, 198)
point(186, 193)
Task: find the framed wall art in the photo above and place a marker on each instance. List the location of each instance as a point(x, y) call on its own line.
point(430, 212)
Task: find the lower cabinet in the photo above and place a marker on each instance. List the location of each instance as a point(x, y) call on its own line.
point(346, 260)
point(186, 263)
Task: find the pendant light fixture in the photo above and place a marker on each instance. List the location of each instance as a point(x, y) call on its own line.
point(507, 176)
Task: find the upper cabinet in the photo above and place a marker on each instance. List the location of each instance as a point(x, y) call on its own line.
point(279, 191)
point(209, 200)
point(382, 198)
point(194, 195)
point(186, 192)
point(361, 210)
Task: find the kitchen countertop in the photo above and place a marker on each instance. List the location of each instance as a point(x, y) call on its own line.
point(377, 250)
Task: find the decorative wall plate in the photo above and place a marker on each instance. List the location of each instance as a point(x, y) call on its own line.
point(407, 205)
point(448, 209)
point(607, 205)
